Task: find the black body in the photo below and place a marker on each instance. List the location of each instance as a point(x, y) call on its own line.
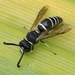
point(27, 43)
point(49, 23)
point(32, 36)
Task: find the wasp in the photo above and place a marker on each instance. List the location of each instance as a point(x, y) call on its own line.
point(47, 28)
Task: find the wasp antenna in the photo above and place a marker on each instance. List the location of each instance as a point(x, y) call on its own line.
point(5, 43)
point(18, 64)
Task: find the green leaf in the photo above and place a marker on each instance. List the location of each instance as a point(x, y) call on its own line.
point(14, 15)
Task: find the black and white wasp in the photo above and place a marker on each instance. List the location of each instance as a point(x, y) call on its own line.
point(47, 28)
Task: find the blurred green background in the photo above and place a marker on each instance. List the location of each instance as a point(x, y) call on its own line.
point(14, 15)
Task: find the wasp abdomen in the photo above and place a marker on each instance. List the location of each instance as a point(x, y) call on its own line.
point(49, 23)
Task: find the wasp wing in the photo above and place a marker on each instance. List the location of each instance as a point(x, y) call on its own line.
point(39, 16)
point(43, 34)
point(57, 30)
point(60, 29)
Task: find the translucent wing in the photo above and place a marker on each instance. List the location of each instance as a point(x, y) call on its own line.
point(59, 29)
point(39, 16)
point(41, 36)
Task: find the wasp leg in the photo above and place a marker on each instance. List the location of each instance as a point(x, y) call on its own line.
point(26, 28)
point(48, 47)
point(32, 47)
point(45, 43)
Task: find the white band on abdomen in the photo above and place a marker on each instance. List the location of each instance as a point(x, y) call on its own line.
point(51, 22)
point(43, 26)
point(57, 19)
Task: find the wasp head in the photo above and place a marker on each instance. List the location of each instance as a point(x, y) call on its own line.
point(24, 46)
